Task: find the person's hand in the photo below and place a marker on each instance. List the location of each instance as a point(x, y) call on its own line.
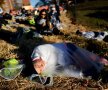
point(104, 61)
point(44, 24)
point(39, 65)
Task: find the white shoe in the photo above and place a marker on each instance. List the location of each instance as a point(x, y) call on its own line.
point(37, 35)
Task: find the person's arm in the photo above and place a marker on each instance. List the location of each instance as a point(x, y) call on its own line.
point(43, 24)
point(50, 25)
point(103, 61)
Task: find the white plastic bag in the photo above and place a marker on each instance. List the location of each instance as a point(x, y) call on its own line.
point(11, 72)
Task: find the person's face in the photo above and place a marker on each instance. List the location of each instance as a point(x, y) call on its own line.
point(43, 14)
point(39, 66)
point(30, 17)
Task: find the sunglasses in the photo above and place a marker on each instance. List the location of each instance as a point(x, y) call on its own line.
point(43, 14)
point(42, 79)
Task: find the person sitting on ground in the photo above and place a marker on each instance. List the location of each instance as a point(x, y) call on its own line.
point(11, 37)
point(42, 22)
point(2, 20)
point(23, 11)
point(7, 16)
point(31, 20)
point(54, 18)
point(35, 12)
point(66, 59)
point(93, 34)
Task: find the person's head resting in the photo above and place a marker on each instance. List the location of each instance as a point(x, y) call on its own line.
point(78, 32)
point(43, 13)
point(39, 65)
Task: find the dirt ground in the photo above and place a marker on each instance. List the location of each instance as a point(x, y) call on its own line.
point(8, 50)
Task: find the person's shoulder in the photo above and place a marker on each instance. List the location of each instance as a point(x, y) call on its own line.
point(44, 45)
point(50, 45)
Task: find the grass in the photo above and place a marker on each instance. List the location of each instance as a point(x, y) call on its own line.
point(25, 46)
point(100, 48)
point(84, 18)
point(92, 13)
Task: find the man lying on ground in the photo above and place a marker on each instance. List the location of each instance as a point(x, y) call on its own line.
point(10, 37)
point(93, 34)
point(66, 59)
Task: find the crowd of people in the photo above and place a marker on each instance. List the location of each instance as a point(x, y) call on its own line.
point(46, 20)
point(65, 58)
